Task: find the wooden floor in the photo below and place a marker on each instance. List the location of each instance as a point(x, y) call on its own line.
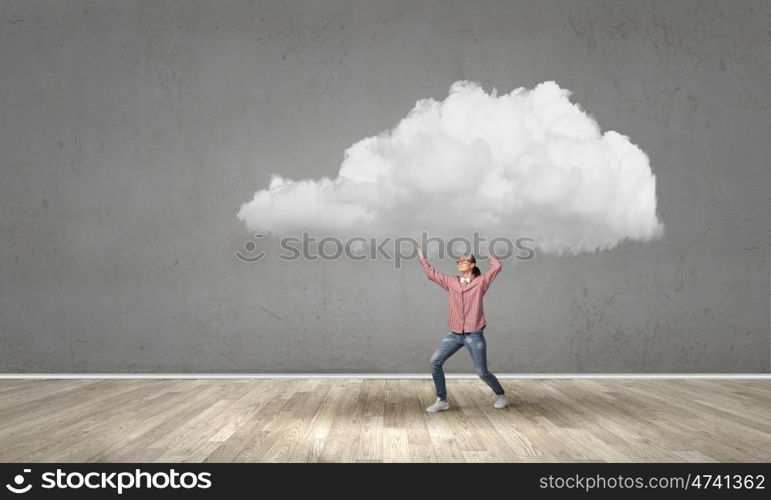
point(383, 420)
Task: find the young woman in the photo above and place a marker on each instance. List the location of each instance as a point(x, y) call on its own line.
point(466, 322)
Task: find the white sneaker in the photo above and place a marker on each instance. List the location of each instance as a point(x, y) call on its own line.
point(438, 406)
point(501, 402)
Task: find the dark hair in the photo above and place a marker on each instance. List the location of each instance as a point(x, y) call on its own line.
point(475, 271)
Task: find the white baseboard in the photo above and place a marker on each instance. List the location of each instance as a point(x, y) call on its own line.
point(382, 375)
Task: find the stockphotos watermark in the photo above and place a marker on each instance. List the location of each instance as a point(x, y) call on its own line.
point(114, 481)
point(395, 249)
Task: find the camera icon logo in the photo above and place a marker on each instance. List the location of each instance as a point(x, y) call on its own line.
point(18, 481)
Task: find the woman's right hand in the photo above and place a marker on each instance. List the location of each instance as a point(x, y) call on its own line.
point(420, 252)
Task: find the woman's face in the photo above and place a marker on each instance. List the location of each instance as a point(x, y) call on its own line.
point(465, 265)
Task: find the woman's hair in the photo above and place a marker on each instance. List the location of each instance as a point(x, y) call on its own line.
point(475, 271)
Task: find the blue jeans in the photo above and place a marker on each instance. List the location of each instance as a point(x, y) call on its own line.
point(477, 347)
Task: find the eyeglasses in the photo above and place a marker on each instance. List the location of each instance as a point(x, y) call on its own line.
point(463, 260)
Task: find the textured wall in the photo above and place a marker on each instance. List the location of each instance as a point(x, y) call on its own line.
point(131, 132)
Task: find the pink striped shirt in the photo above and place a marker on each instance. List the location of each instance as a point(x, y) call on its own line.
point(466, 312)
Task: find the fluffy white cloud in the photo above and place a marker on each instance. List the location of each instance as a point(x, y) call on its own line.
point(527, 163)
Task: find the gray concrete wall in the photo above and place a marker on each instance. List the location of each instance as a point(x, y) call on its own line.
point(131, 132)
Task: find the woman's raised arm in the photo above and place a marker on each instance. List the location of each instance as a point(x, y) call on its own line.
point(489, 276)
point(434, 275)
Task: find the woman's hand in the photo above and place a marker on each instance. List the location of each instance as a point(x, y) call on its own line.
point(420, 252)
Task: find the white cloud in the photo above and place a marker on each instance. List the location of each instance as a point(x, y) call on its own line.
point(527, 163)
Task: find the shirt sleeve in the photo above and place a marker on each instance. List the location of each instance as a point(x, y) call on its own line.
point(489, 276)
point(434, 275)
